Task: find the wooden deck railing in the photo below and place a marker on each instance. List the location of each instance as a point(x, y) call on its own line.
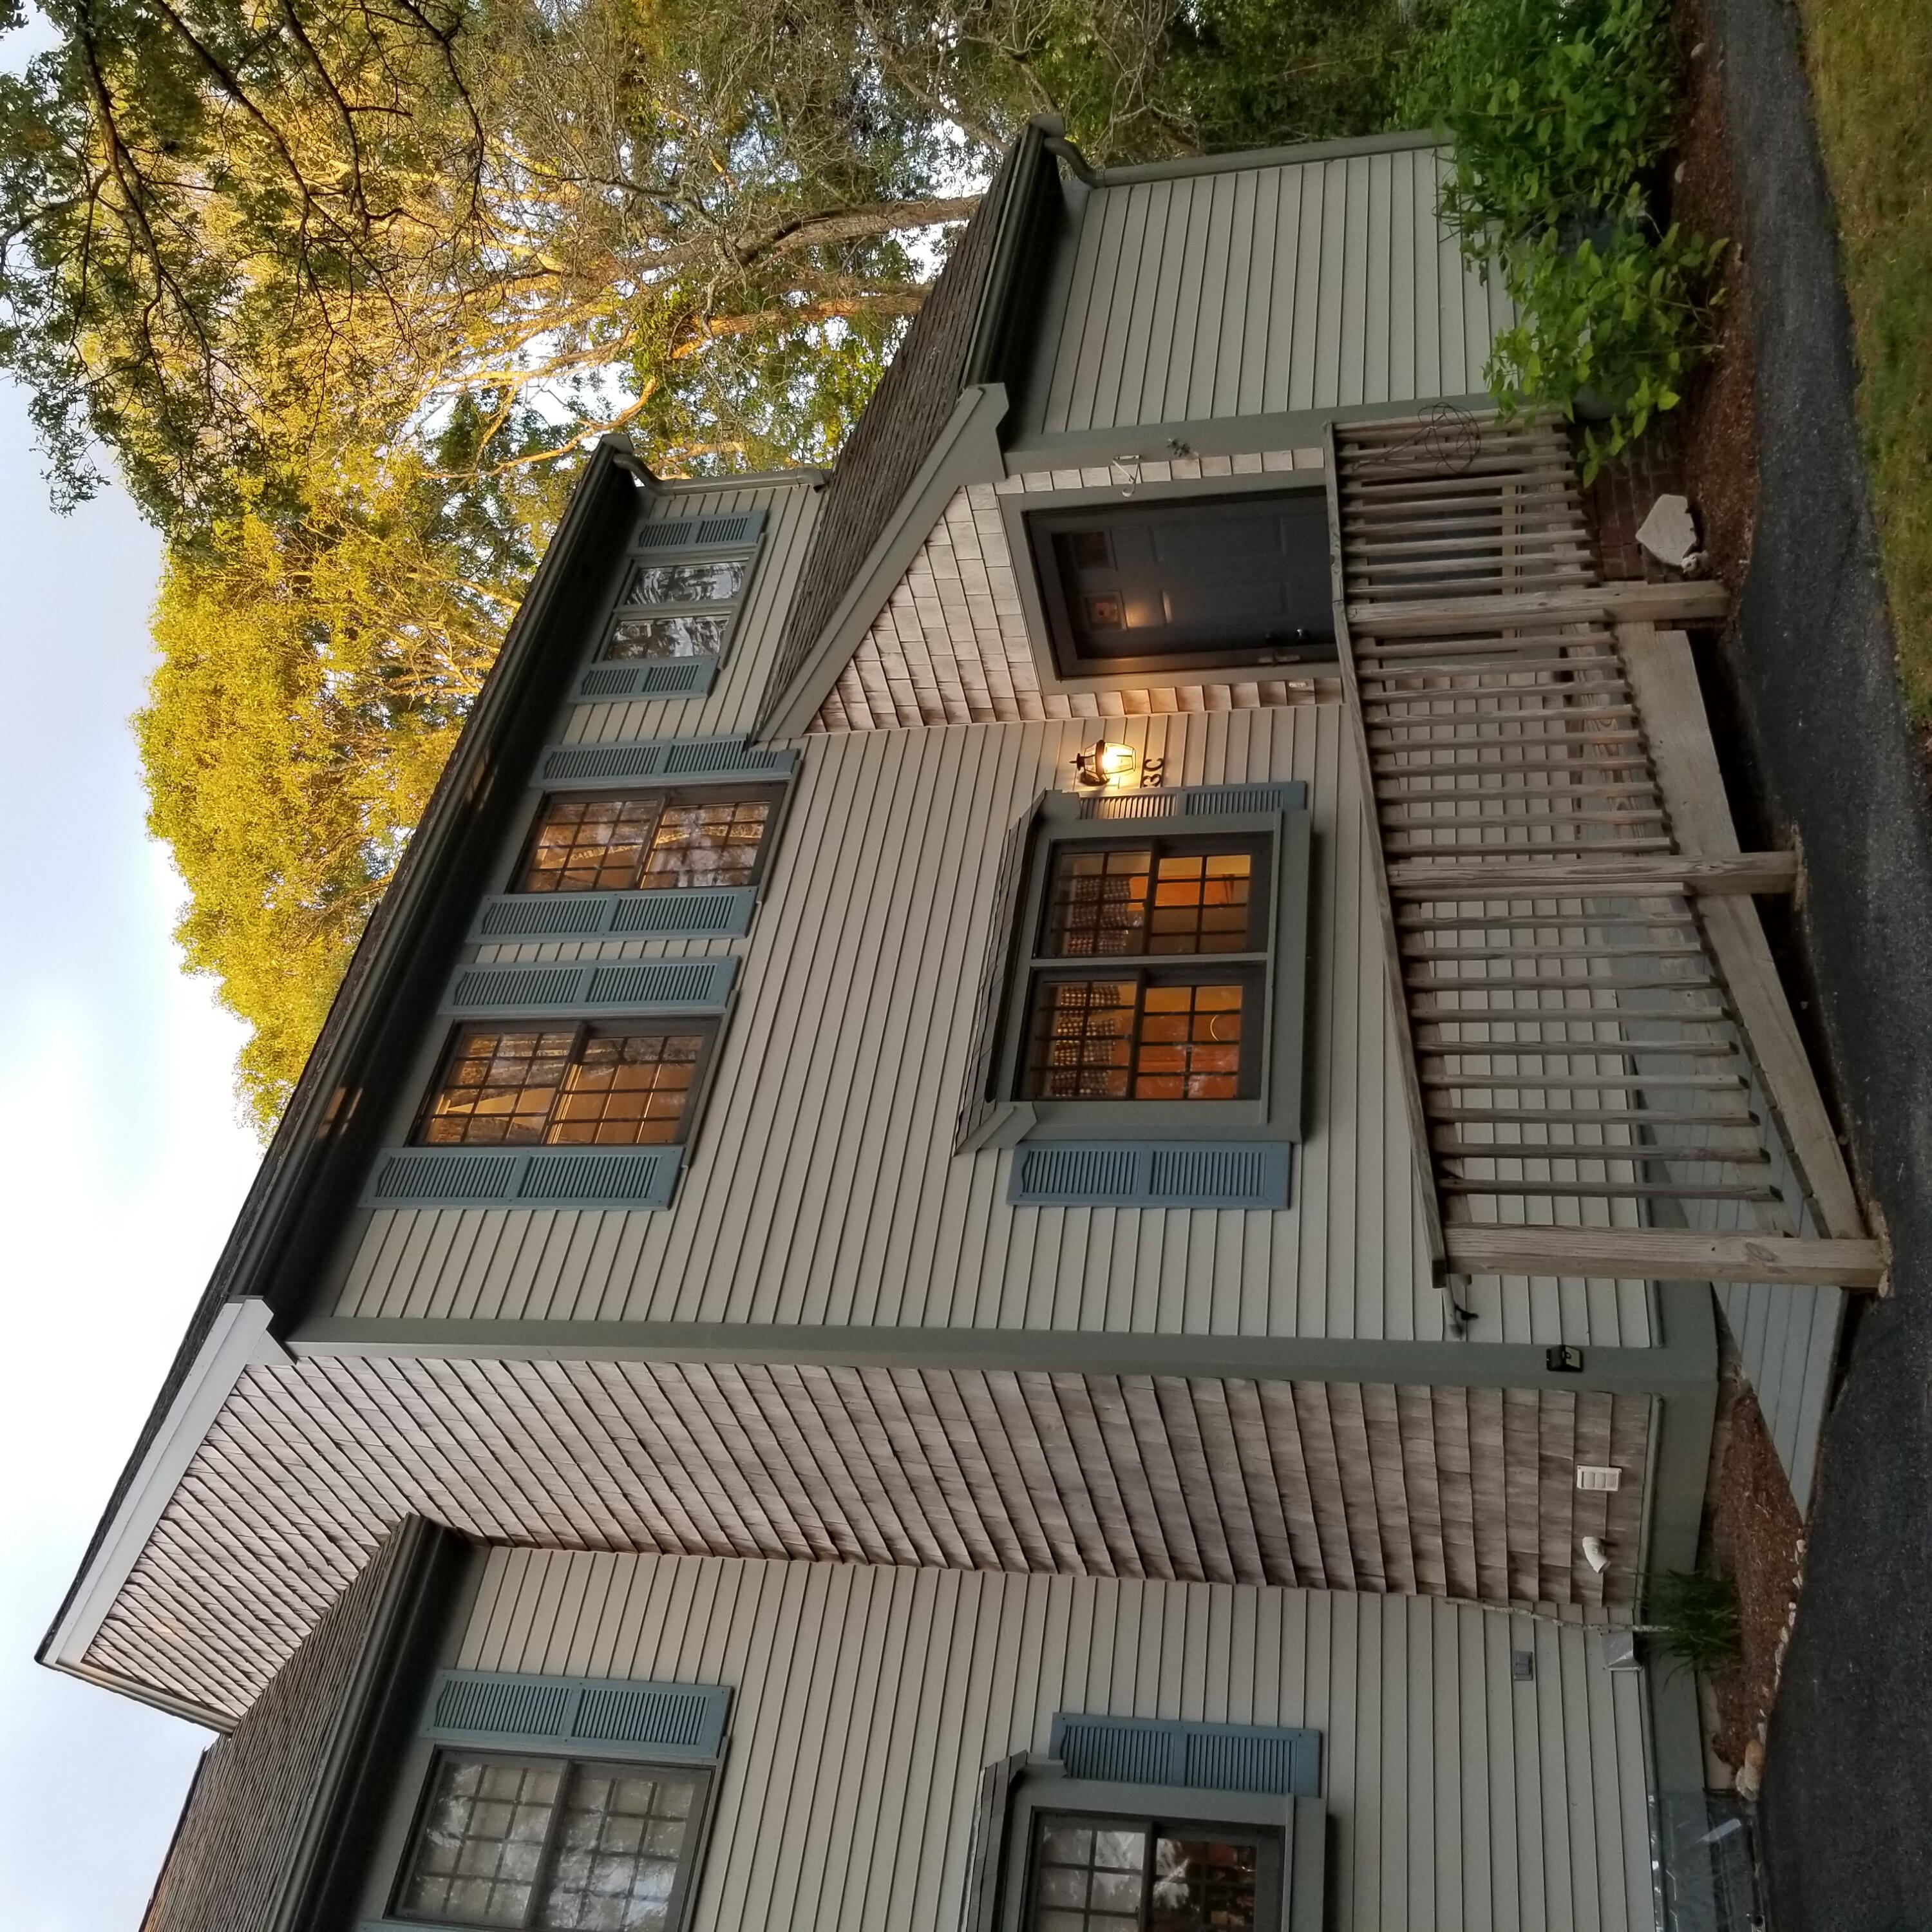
point(1601, 1070)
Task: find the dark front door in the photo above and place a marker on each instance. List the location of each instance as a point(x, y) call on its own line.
point(1179, 585)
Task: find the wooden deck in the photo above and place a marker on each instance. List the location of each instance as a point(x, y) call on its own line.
point(1600, 1060)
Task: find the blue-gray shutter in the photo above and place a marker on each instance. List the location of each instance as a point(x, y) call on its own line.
point(539, 1177)
point(1190, 1757)
point(1148, 1174)
point(583, 1716)
point(979, 1107)
point(686, 912)
point(1198, 801)
point(652, 986)
point(729, 530)
point(691, 759)
point(604, 682)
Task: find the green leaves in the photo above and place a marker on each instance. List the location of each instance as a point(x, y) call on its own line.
point(1559, 113)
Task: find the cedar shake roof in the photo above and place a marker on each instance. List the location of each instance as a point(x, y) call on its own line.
point(959, 338)
point(269, 1840)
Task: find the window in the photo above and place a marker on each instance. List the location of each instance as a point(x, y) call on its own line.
point(1099, 1874)
point(1180, 584)
point(1170, 1034)
point(564, 1085)
point(681, 607)
point(642, 840)
point(560, 1844)
point(1137, 1034)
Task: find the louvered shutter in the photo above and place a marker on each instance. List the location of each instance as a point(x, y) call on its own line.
point(691, 759)
point(583, 1717)
point(1260, 1758)
point(685, 912)
point(980, 1112)
point(1140, 1174)
point(669, 986)
point(674, 540)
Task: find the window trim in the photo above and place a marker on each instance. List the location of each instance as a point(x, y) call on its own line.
point(511, 918)
point(583, 1027)
point(1275, 1111)
point(703, 666)
point(1016, 506)
point(1043, 1786)
point(684, 1889)
point(717, 791)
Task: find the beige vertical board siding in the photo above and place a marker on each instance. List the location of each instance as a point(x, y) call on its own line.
point(822, 1185)
point(1315, 285)
point(791, 510)
point(867, 1700)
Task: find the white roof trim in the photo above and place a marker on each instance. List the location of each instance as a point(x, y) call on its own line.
point(239, 1340)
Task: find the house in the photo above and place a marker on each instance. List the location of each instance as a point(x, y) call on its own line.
point(1011, 1221)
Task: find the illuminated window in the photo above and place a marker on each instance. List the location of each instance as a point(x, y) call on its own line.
point(620, 1085)
point(1136, 1875)
point(647, 840)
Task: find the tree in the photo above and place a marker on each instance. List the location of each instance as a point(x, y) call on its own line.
point(342, 288)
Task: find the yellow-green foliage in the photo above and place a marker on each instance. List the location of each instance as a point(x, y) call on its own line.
point(290, 744)
point(1871, 76)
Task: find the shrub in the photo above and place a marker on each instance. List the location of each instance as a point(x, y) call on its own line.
point(1694, 1616)
point(1559, 111)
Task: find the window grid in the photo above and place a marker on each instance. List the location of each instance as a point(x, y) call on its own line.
point(551, 1845)
point(1121, 901)
point(645, 841)
point(1109, 1875)
point(563, 1087)
point(1137, 1040)
point(656, 618)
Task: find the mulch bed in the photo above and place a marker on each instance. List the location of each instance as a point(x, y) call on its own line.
point(1719, 425)
point(1754, 1537)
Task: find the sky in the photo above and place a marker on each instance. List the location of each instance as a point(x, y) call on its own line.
point(123, 1161)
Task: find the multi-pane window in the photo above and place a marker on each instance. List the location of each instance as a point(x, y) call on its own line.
point(1138, 1039)
point(1178, 1031)
point(1117, 901)
point(555, 1844)
point(643, 840)
point(625, 1084)
point(1169, 586)
point(1136, 1875)
point(677, 610)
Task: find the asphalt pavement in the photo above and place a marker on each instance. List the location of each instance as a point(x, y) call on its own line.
point(1821, 752)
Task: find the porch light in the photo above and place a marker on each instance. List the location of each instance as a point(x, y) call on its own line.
point(1105, 763)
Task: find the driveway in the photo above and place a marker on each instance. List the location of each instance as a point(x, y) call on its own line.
point(1826, 756)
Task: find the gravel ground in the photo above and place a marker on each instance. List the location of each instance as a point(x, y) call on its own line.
point(1828, 757)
